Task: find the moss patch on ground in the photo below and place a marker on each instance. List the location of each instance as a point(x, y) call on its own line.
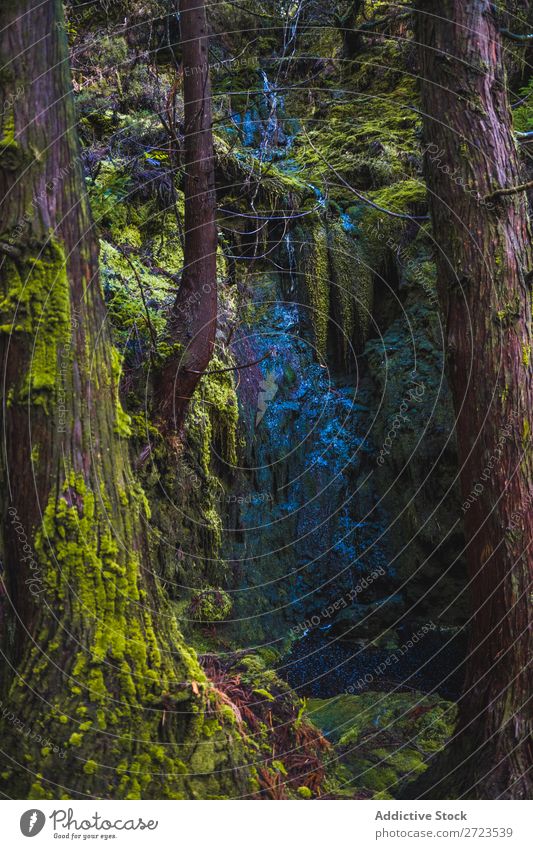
point(382, 740)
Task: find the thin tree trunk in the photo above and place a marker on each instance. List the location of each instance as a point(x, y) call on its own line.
point(104, 699)
point(485, 274)
point(352, 38)
point(194, 317)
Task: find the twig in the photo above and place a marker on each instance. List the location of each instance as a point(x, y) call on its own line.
point(511, 191)
point(229, 368)
point(515, 36)
point(10, 250)
point(151, 329)
point(369, 26)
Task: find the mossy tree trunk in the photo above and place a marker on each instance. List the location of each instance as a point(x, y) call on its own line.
point(485, 274)
point(103, 698)
point(194, 317)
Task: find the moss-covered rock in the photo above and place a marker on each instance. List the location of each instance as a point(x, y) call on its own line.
point(211, 604)
point(383, 740)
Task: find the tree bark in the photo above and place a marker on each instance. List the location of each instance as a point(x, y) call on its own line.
point(194, 316)
point(103, 698)
point(352, 39)
point(485, 274)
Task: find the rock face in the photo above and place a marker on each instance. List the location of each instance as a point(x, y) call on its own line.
point(352, 477)
point(349, 472)
point(344, 516)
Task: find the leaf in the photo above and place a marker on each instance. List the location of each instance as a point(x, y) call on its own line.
point(280, 766)
point(265, 694)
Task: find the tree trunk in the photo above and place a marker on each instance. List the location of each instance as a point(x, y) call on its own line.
point(485, 274)
point(194, 317)
point(352, 39)
point(104, 699)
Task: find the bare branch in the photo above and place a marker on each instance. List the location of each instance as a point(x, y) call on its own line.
point(516, 36)
point(231, 368)
point(510, 191)
point(151, 328)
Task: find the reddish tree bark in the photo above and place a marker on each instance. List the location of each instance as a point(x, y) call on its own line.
point(485, 272)
point(194, 316)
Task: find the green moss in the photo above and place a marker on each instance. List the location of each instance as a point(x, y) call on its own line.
point(338, 288)
point(122, 420)
point(304, 792)
point(400, 196)
point(523, 114)
point(37, 791)
point(316, 273)
point(120, 674)
point(508, 314)
point(351, 293)
point(361, 728)
point(217, 397)
point(406, 197)
point(367, 132)
point(274, 187)
point(264, 694)
point(36, 302)
point(197, 481)
point(11, 153)
point(212, 604)
point(107, 196)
